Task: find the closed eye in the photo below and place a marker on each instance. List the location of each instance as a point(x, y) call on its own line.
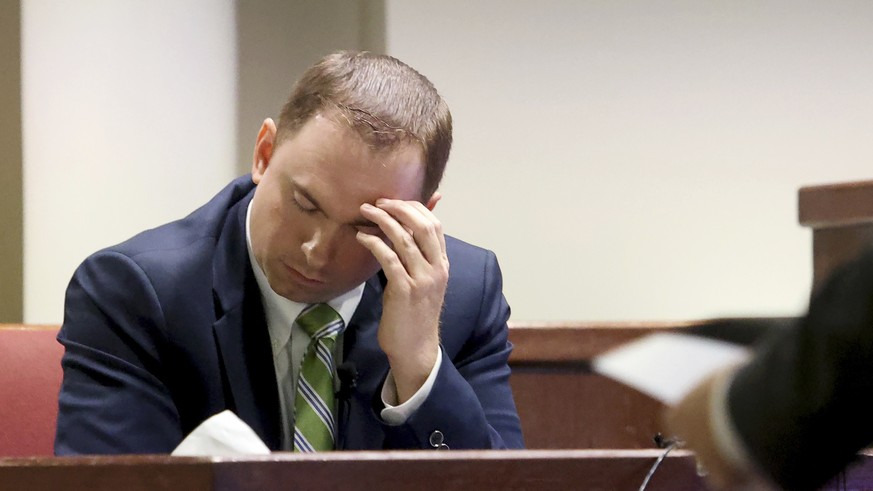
point(303, 204)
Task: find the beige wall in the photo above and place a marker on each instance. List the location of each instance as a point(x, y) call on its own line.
point(11, 241)
point(128, 122)
point(640, 160)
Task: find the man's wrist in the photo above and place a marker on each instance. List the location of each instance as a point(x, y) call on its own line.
point(411, 371)
point(395, 413)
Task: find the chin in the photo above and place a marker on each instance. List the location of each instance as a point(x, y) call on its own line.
point(296, 295)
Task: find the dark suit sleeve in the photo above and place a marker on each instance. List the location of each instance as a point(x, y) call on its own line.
point(471, 401)
point(801, 407)
point(112, 398)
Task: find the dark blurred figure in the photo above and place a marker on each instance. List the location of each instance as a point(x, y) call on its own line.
point(798, 412)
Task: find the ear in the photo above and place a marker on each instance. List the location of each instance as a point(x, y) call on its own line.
point(434, 199)
point(263, 149)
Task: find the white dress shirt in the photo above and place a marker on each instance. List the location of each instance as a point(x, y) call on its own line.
point(289, 342)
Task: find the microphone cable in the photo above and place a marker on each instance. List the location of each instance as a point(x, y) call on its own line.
point(668, 445)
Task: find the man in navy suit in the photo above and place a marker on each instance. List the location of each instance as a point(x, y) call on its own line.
point(188, 319)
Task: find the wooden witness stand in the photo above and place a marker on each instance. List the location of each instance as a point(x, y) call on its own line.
point(584, 431)
point(417, 470)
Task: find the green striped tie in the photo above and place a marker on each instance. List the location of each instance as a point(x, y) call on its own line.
point(314, 422)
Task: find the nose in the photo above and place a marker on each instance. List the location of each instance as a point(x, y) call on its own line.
point(320, 247)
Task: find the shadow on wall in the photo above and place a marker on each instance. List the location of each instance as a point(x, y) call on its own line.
point(277, 40)
point(11, 202)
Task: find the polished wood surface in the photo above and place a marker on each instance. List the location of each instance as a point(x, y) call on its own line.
point(119, 473)
point(465, 470)
point(385, 471)
point(532, 470)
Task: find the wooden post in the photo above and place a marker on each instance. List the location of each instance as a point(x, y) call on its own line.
point(841, 219)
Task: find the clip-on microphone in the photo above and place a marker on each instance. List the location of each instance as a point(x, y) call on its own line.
point(348, 381)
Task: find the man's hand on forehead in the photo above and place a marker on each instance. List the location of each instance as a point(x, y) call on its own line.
point(413, 258)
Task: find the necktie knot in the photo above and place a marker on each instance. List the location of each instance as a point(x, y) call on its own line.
point(320, 321)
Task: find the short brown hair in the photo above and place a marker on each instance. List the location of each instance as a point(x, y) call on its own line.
point(385, 100)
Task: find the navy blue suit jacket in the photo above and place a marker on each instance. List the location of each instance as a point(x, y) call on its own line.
point(167, 329)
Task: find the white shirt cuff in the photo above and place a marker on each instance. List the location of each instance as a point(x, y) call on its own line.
point(396, 415)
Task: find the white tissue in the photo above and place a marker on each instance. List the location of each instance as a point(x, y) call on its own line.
point(222, 435)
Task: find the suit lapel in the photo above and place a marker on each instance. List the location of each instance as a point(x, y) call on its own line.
point(241, 332)
point(361, 349)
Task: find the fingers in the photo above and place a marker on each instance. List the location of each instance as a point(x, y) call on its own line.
point(437, 225)
point(424, 226)
point(386, 256)
point(411, 227)
point(416, 234)
point(401, 238)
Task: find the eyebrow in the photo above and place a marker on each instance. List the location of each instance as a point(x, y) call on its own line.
point(359, 222)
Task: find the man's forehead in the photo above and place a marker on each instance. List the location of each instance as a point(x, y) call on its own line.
point(354, 189)
point(378, 141)
point(331, 150)
point(379, 136)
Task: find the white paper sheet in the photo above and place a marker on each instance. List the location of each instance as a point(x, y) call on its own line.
point(222, 435)
point(667, 366)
